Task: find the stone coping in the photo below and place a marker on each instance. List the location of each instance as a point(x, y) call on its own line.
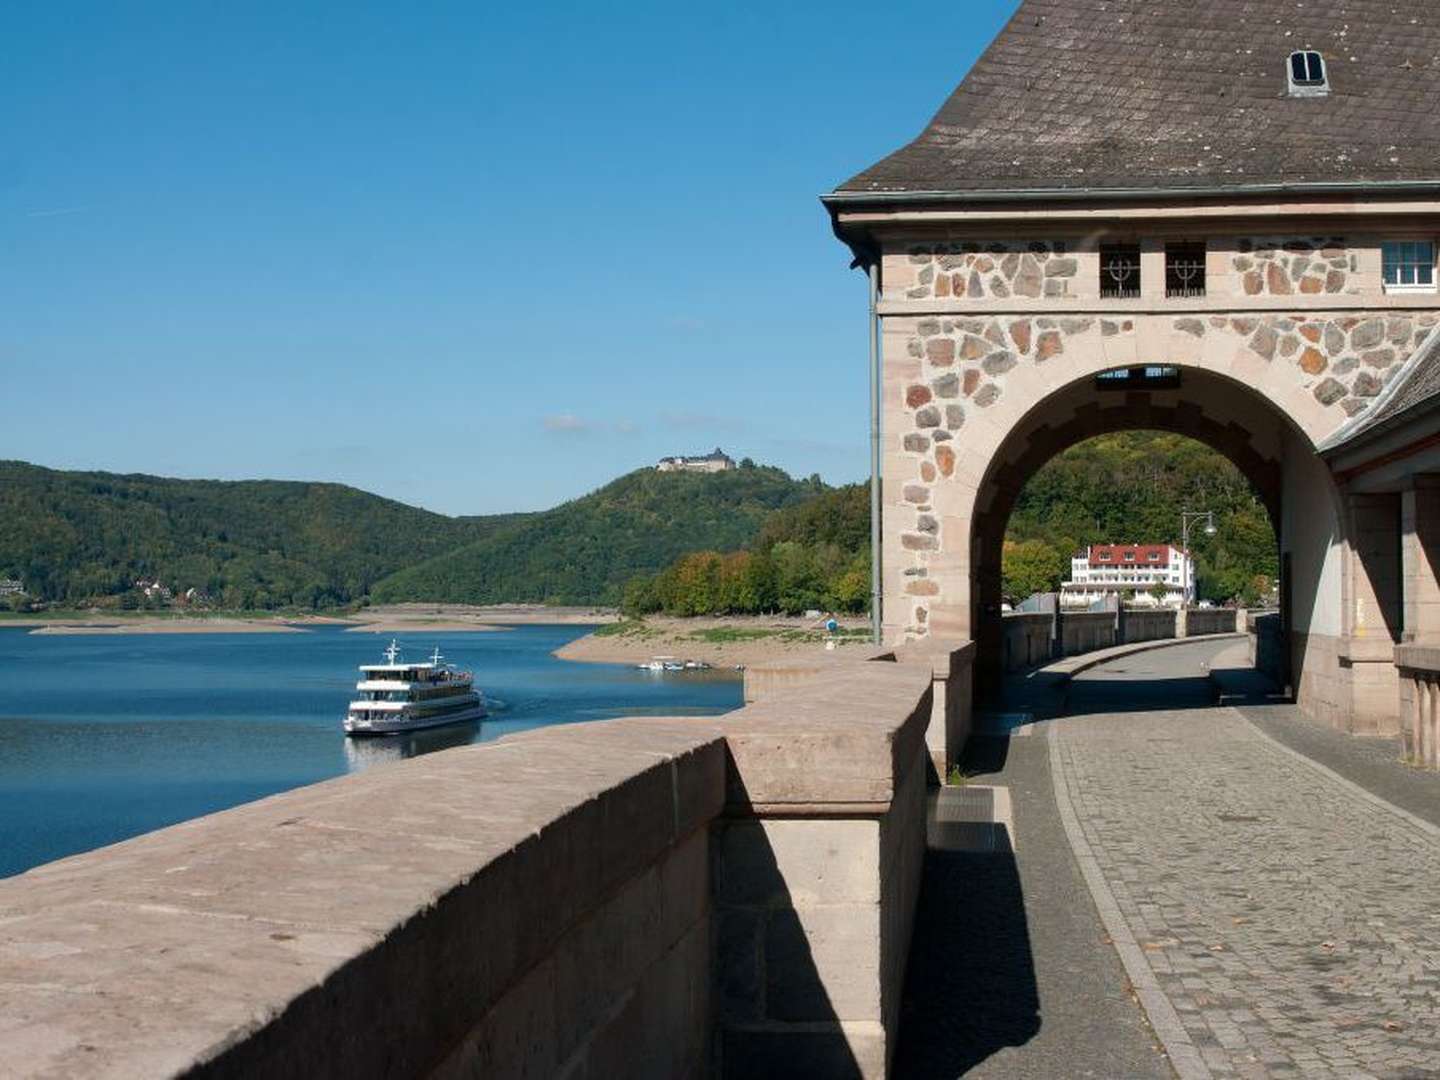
point(1418, 656)
point(846, 738)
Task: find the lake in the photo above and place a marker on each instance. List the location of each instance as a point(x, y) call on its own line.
point(105, 737)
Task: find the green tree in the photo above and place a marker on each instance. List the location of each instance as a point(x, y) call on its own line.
point(1031, 566)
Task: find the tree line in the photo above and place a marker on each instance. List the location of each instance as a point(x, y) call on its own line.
point(815, 556)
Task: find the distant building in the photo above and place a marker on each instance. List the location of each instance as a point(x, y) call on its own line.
point(153, 590)
point(11, 587)
point(1106, 570)
point(715, 461)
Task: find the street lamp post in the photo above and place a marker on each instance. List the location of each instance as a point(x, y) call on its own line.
point(1186, 518)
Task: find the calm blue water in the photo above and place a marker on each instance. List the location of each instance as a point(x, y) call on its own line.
point(105, 737)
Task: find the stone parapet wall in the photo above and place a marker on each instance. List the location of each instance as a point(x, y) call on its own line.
point(640, 898)
point(1200, 621)
point(1082, 632)
point(523, 907)
point(1147, 624)
point(1029, 639)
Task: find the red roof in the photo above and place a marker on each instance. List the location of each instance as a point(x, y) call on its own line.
point(1140, 554)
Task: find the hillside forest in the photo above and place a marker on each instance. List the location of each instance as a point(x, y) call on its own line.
point(750, 540)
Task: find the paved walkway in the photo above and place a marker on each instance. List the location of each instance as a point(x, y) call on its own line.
point(1276, 918)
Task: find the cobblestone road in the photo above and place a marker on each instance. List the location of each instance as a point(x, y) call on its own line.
point(1292, 922)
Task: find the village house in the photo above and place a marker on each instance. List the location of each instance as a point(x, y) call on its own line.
point(1130, 572)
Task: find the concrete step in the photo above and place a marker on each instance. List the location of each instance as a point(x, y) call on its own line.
point(974, 818)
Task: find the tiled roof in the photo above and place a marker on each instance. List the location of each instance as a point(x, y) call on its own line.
point(1417, 385)
point(1125, 94)
point(1141, 554)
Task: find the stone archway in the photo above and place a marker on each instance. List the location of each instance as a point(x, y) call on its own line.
point(1212, 409)
point(975, 405)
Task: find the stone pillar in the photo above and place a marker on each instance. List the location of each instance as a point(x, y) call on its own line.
point(1420, 558)
point(1373, 614)
point(816, 867)
point(1182, 615)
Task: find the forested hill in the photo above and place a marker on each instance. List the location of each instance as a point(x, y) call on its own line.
point(586, 550)
point(1131, 487)
point(79, 536)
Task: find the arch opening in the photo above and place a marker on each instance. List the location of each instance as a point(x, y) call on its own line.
point(1253, 433)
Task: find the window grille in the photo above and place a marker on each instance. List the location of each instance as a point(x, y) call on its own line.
point(1120, 271)
point(1408, 264)
point(1185, 269)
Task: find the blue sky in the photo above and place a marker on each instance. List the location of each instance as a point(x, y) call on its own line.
point(475, 257)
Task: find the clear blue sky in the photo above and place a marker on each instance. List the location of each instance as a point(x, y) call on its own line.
point(476, 257)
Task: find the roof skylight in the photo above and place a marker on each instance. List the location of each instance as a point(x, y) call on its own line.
point(1307, 74)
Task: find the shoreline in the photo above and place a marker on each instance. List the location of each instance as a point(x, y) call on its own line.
point(723, 642)
point(163, 626)
point(387, 619)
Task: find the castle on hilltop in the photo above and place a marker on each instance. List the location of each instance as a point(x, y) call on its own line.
point(715, 461)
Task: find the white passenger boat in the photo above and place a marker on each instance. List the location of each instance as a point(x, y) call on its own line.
point(397, 697)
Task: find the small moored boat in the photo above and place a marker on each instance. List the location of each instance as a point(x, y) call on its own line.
point(398, 697)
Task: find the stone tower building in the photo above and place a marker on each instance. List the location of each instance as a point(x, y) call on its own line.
point(1215, 219)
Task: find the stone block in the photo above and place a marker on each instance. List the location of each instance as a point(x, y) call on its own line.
point(515, 1038)
point(798, 861)
point(835, 1051)
point(823, 963)
point(739, 962)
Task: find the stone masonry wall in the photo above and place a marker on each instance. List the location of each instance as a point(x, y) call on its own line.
point(1273, 266)
point(975, 271)
point(1342, 360)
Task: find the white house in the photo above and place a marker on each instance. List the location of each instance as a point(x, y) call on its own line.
point(1104, 570)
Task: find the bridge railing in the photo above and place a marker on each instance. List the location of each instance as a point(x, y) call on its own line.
point(726, 896)
point(1035, 638)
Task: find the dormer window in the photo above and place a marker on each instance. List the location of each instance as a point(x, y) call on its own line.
point(1307, 74)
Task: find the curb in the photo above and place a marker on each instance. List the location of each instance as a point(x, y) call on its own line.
point(1184, 1058)
point(1124, 651)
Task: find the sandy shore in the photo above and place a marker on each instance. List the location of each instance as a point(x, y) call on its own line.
point(387, 619)
point(406, 626)
point(167, 626)
point(695, 639)
point(493, 614)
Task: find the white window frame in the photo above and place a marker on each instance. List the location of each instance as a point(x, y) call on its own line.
point(1309, 87)
point(1408, 287)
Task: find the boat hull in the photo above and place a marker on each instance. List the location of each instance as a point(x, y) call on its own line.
point(399, 726)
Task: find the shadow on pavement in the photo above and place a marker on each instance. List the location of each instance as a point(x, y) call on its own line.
point(1119, 691)
point(970, 987)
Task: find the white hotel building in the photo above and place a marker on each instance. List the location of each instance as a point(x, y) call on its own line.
point(1105, 570)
